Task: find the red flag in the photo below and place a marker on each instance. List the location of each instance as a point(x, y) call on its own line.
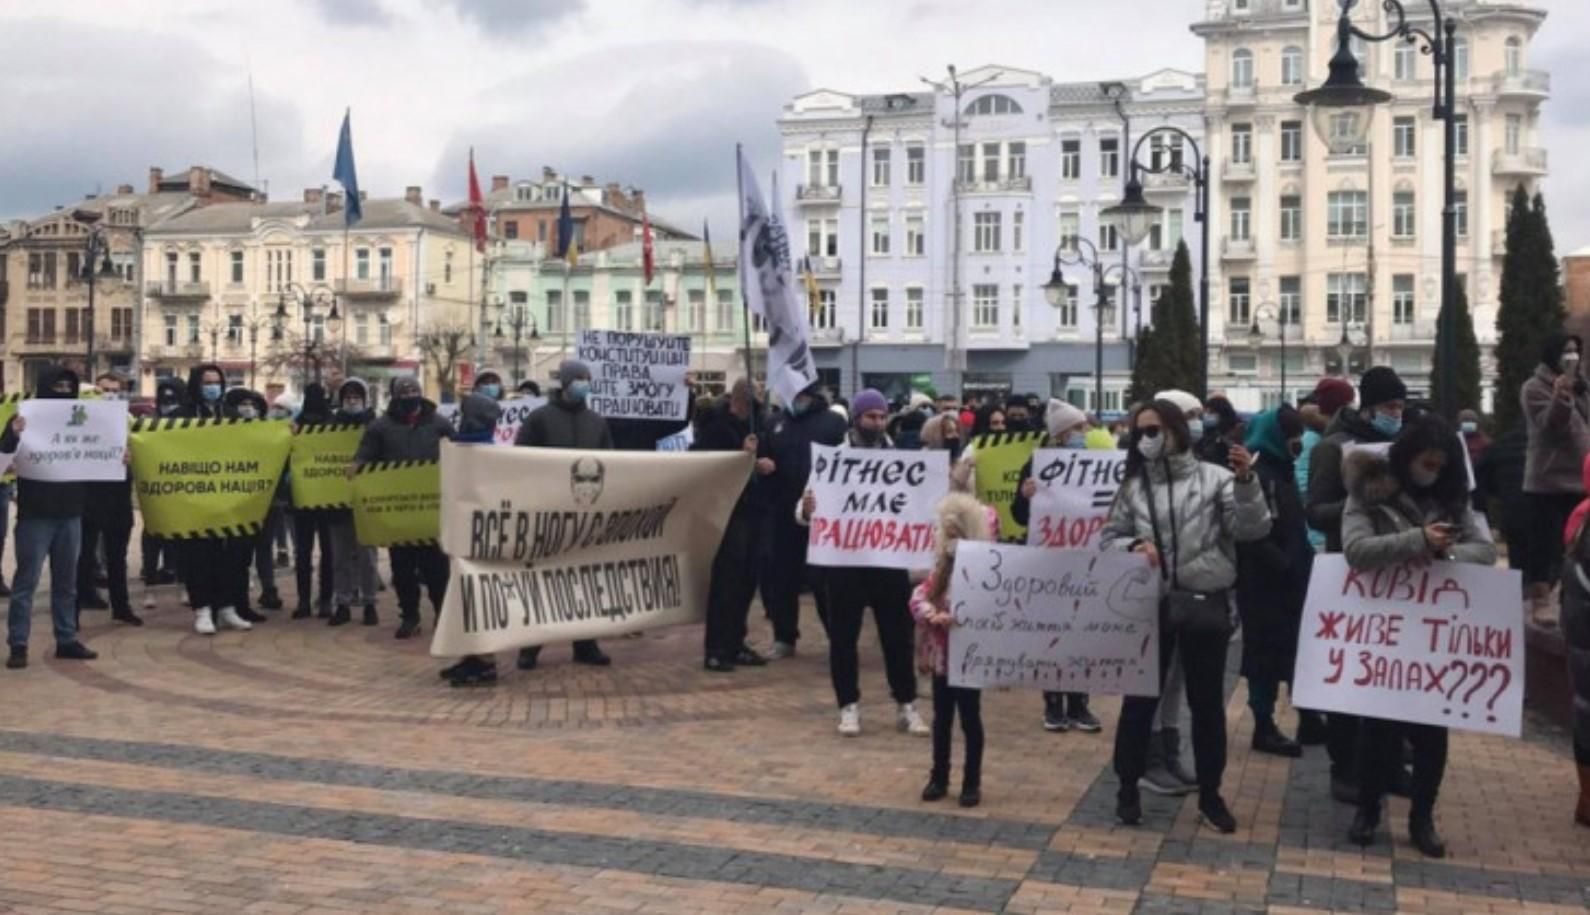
point(477, 206)
point(648, 259)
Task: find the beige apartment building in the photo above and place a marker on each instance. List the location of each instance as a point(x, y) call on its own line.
point(1351, 244)
point(43, 290)
point(253, 287)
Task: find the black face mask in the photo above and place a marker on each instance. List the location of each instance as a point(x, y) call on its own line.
point(406, 406)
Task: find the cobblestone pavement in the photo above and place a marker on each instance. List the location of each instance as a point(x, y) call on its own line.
point(300, 769)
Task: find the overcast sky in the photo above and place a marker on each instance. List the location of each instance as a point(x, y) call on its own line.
point(647, 92)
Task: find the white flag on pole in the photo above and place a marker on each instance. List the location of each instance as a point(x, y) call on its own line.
point(768, 284)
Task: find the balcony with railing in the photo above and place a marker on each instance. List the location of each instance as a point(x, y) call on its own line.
point(1526, 160)
point(1165, 182)
point(1156, 259)
point(1020, 185)
point(1242, 96)
point(1237, 249)
point(178, 290)
point(378, 287)
point(1239, 170)
point(818, 194)
point(1411, 332)
point(824, 267)
point(1535, 84)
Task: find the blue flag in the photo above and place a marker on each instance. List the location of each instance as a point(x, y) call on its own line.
point(343, 173)
point(567, 249)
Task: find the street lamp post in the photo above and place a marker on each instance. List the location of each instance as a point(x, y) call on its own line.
point(517, 318)
point(1265, 312)
point(307, 299)
point(1056, 292)
point(96, 250)
point(1342, 110)
point(1134, 217)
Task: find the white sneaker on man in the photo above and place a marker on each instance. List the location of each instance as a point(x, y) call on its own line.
point(850, 720)
point(228, 617)
point(910, 721)
point(203, 622)
point(780, 651)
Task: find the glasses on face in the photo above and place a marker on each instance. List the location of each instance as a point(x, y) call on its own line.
point(1147, 431)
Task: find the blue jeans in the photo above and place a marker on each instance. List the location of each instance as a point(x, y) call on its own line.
point(5, 519)
point(59, 539)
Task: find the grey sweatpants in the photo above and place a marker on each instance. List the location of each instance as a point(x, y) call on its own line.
point(353, 566)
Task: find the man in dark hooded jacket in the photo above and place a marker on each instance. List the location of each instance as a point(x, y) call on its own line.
point(312, 524)
point(410, 430)
point(808, 420)
point(565, 422)
point(159, 554)
point(211, 565)
point(107, 519)
point(49, 525)
point(243, 403)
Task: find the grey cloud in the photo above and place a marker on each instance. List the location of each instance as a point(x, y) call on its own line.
point(670, 129)
point(129, 101)
point(354, 12)
point(515, 16)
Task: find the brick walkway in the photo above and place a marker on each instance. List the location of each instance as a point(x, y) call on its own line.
point(300, 769)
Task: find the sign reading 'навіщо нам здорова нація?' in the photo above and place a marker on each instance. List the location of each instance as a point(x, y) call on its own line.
point(636, 376)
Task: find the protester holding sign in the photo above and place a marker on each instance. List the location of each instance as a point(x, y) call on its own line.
point(49, 525)
point(1067, 427)
point(1187, 517)
point(808, 421)
point(352, 563)
point(248, 405)
point(1272, 576)
point(488, 383)
point(566, 422)
point(478, 416)
point(851, 589)
point(107, 517)
point(160, 555)
point(737, 424)
point(961, 517)
point(1409, 506)
point(409, 430)
point(1576, 633)
point(312, 523)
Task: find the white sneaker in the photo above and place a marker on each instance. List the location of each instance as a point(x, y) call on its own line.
point(910, 721)
point(780, 651)
point(850, 720)
point(203, 623)
point(149, 602)
point(229, 618)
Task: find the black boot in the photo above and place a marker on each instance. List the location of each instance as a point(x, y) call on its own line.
point(270, 600)
point(409, 625)
point(303, 612)
point(1421, 830)
point(1311, 731)
point(127, 616)
point(371, 618)
point(1129, 806)
point(250, 616)
point(1267, 738)
point(341, 617)
point(18, 659)
point(1365, 822)
point(590, 653)
point(1212, 808)
point(529, 657)
point(971, 791)
point(937, 787)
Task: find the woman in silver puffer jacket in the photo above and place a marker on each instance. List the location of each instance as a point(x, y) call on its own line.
point(1187, 517)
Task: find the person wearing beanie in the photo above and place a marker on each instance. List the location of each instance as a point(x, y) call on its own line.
point(1272, 577)
point(1067, 427)
point(1555, 405)
point(1376, 421)
point(850, 590)
point(806, 420)
point(566, 422)
point(409, 430)
point(1320, 408)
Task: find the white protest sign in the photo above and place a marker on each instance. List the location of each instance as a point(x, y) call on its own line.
point(875, 506)
point(1439, 644)
point(513, 416)
point(679, 441)
point(1038, 618)
point(73, 440)
point(636, 376)
point(1075, 490)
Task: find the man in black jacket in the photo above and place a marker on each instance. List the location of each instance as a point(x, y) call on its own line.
point(209, 564)
point(353, 565)
point(107, 517)
point(808, 420)
point(565, 422)
point(49, 524)
point(736, 425)
point(410, 430)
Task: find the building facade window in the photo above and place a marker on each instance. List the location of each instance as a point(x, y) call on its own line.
point(1015, 160)
point(880, 166)
point(361, 263)
point(1405, 62)
point(913, 307)
point(1241, 218)
point(1347, 214)
point(985, 232)
point(1291, 141)
point(170, 328)
point(623, 310)
point(1291, 66)
point(1513, 56)
point(985, 305)
point(991, 162)
point(880, 236)
point(1460, 135)
point(966, 163)
point(1070, 229)
point(1109, 238)
point(1513, 133)
point(822, 167)
point(1346, 297)
point(653, 316)
point(383, 326)
point(823, 309)
point(696, 312)
point(1404, 137)
point(236, 260)
point(1070, 160)
point(1067, 314)
point(725, 310)
point(1291, 217)
point(582, 309)
point(1242, 69)
point(555, 320)
point(1110, 157)
point(915, 237)
point(1460, 206)
point(1018, 231)
point(1402, 304)
point(1403, 218)
point(1460, 58)
point(822, 238)
point(1291, 300)
point(1240, 298)
point(878, 314)
point(1241, 144)
point(915, 165)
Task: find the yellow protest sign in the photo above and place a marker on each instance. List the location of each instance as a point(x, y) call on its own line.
point(999, 457)
point(207, 477)
point(319, 465)
point(398, 503)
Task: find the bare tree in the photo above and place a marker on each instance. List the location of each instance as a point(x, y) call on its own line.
point(286, 355)
point(443, 345)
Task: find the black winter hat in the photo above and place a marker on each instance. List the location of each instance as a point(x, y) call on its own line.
point(1379, 385)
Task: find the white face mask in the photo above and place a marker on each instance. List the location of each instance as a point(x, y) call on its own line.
point(1422, 477)
point(1152, 448)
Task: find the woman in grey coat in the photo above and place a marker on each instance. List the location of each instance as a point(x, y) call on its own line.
point(1186, 516)
point(1555, 404)
point(1409, 505)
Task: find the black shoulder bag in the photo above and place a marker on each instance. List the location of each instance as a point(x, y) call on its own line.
point(1184, 611)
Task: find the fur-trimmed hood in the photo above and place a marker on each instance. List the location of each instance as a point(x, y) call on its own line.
point(960, 516)
point(1368, 477)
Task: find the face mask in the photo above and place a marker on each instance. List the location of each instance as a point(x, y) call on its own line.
point(493, 391)
point(112, 395)
point(1074, 440)
point(1570, 363)
point(1386, 425)
point(579, 390)
point(1152, 448)
point(1470, 428)
point(211, 392)
point(247, 411)
point(1422, 477)
point(406, 405)
point(801, 405)
point(353, 406)
point(1195, 432)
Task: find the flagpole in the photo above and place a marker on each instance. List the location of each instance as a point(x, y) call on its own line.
point(745, 302)
point(347, 319)
point(568, 308)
